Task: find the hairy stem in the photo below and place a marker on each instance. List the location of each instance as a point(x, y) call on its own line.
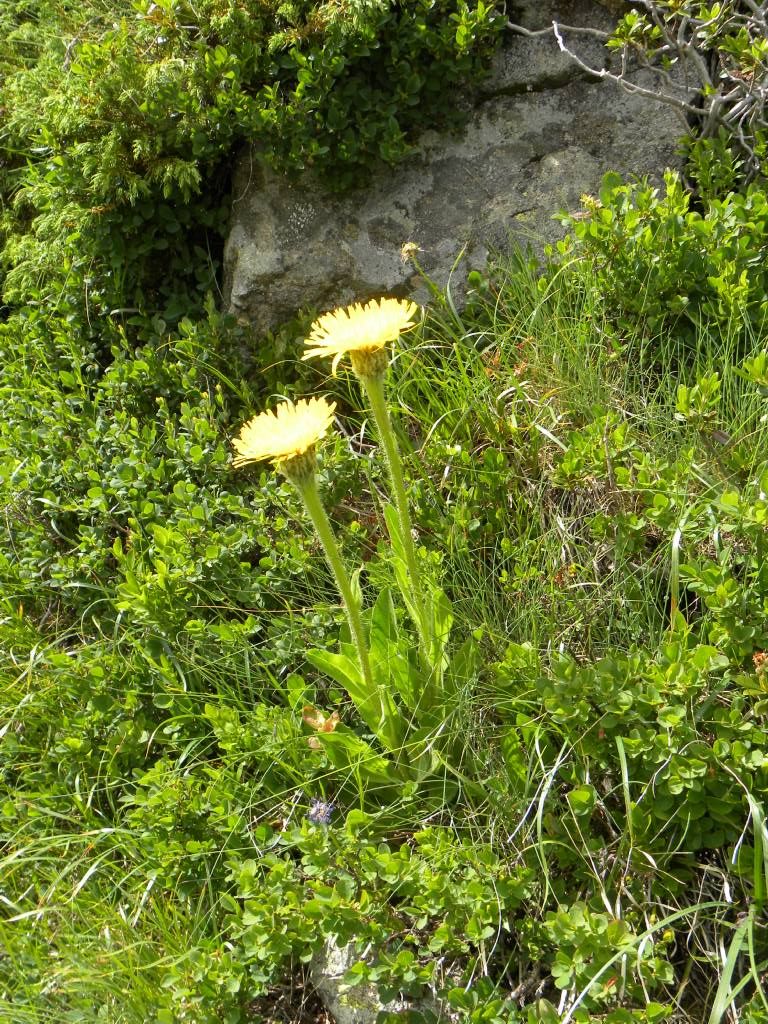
point(308, 490)
point(374, 389)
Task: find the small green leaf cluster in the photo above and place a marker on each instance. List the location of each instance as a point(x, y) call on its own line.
point(129, 541)
point(705, 504)
point(120, 476)
point(687, 760)
point(432, 895)
point(592, 943)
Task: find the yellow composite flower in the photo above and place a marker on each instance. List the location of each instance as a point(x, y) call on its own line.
point(284, 433)
point(360, 328)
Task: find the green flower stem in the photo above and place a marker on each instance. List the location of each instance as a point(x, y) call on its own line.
point(374, 389)
point(307, 488)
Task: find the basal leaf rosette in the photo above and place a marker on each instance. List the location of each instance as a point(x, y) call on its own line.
point(362, 332)
point(286, 436)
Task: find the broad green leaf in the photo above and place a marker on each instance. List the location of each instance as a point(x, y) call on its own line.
point(384, 633)
point(340, 667)
point(375, 705)
point(465, 662)
point(346, 750)
point(461, 669)
point(419, 756)
point(442, 620)
point(346, 671)
point(399, 561)
point(354, 583)
point(391, 666)
point(582, 800)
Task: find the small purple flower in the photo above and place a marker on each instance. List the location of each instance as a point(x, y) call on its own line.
point(321, 811)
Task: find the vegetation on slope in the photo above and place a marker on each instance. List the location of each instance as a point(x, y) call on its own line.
point(582, 835)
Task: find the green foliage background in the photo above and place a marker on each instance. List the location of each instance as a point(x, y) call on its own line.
point(120, 121)
point(590, 491)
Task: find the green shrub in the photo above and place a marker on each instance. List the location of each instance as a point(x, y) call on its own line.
point(126, 120)
point(658, 261)
point(441, 895)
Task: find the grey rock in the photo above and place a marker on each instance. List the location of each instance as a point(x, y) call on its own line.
point(540, 134)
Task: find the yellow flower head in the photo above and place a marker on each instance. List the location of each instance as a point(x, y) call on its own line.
point(360, 329)
point(409, 251)
point(284, 434)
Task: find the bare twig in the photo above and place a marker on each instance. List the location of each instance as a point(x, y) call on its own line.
point(582, 30)
point(633, 87)
point(721, 88)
